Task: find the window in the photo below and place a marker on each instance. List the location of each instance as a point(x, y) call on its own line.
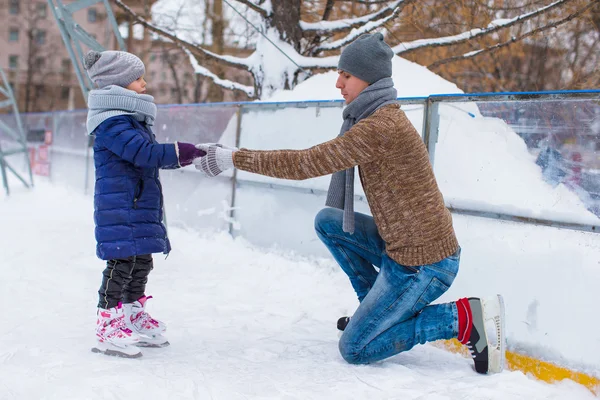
point(13, 62)
point(40, 62)
point(13, 35)
point(64, 92)
point(92, 15)
point(40, 37)
point(39, 90)
point(13, 7)
point(152, 57)
point(42, 10)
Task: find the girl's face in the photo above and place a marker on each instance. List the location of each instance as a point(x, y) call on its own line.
point(138, 86)
point(350, 85)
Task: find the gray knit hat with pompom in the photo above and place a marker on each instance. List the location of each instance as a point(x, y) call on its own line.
point(113, 68)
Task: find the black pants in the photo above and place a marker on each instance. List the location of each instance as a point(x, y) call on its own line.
point(124, 280)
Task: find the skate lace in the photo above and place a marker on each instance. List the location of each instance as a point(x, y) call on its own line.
point(498, 331)
point(498, 337)
point(471, 349)
point(114, 326)
point(143, 319)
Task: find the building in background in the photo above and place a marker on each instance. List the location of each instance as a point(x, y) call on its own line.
point(38, 67)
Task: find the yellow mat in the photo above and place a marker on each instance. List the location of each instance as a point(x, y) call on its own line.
point(542, 370)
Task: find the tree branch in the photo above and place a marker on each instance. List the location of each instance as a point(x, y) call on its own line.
point(494, 26)
point(328, 28)
point(224, 83)
point(367, 2)
point(264, 13)
point(513, 39)
point(230, 61)
point(483, 3)
point(366, 28)
point(317, 39)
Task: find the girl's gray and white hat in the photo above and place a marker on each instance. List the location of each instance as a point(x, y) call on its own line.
point(113, 68)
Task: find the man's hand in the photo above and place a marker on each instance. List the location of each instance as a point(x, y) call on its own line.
point(218, 158)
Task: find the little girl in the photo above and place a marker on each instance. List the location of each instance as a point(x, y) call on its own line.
point(128, 200)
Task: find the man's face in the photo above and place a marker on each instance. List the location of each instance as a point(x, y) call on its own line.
point(349, 85)
point(138, 86)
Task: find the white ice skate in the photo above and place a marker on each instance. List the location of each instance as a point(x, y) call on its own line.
point(149, 329)
point(113, 337)
point(487, 350)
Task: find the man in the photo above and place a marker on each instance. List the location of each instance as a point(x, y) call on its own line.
point(409, 238)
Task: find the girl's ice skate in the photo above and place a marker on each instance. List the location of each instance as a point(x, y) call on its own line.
point(149, 329)
point(114, 338)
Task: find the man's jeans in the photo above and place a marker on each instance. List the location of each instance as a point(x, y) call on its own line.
point(394, 312)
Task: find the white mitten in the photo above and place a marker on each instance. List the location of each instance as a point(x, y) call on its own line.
point(218, 158)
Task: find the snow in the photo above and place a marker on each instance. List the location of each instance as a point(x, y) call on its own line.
point(484, 179)
point(254, 316)
point(187, 19)
point(410, 79)
point(243, 322)
point(492, 26)
point(481, 164)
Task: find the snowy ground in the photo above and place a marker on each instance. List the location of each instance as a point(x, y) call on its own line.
point(244, 324)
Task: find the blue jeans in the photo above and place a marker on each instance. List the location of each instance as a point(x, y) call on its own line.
point(394, 313)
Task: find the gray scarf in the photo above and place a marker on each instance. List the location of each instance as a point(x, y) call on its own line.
point(113, 100)
point(341, 189)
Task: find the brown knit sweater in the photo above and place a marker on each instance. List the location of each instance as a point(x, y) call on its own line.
point(396, 175)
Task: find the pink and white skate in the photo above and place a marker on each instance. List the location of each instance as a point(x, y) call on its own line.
point(150, 330)
point(113, 337)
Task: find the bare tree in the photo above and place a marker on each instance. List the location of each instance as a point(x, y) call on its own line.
point(171, 56)
point(40, 56)
point(304, 42)
point(218, 44)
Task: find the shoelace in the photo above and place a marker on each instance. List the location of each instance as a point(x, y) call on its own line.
point(116, 325)
point(471, 350)
point(498, 337)
point(498, 333)
point(143, 318)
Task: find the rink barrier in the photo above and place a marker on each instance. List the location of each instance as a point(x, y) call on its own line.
point(453, 209)
point(542, 370)
point(430, 130)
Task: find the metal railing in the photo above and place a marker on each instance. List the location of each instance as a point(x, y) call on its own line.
point(530, 122)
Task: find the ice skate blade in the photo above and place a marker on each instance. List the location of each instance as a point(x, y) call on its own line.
point(152, 341)
point(117, 352)
point(152, 345)
point(493, 310)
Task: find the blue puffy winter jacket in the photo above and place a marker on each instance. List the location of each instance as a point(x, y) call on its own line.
point(128, 201)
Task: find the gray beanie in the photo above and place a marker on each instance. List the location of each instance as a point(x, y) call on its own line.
point(368, 58)
point(113, 68)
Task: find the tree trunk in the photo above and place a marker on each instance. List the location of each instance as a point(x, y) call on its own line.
point(218, 27)
point(29, 74)
point(286, 19)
